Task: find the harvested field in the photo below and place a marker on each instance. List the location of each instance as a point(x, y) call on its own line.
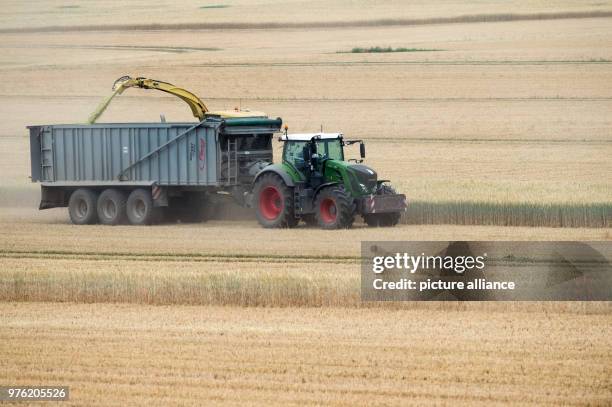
point(259, 356)
point(23, 230)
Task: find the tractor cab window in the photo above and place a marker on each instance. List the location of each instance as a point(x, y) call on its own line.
point(327, 149)
point(294, 154)
point(331, 148)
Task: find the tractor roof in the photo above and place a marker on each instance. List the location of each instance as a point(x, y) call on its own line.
point(309, 136)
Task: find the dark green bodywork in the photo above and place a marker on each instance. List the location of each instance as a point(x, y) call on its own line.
point(330, 166)
point(253, 121)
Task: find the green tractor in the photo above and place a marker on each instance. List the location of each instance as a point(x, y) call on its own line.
point(315, 184)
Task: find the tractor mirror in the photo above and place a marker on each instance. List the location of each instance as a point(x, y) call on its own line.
point(362, 150)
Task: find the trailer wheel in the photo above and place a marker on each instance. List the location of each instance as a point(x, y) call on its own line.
point(82, 207)
point(334, 208)
point(111, 207)
point(274, 202)
point(383, 219)
point(140, 208)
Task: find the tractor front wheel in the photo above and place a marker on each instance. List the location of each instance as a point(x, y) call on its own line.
point(334, 208)
point(274, 202)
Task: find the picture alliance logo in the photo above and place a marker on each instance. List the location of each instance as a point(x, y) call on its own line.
point(412, 264)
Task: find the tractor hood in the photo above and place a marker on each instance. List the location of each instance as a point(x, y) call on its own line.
point(365, 176)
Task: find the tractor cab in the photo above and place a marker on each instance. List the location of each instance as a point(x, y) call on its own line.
point(300, 149)
point(307, 153)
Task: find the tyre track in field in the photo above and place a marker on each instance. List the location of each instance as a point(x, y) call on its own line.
point(172, 50)
point(175, 257)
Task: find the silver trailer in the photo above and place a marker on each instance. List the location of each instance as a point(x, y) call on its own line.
point(112, 173)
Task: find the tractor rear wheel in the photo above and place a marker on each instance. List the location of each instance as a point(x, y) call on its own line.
point(274, 202)
point(111, 207)
point(383, 219)
point(82, 207)
point(334, 208)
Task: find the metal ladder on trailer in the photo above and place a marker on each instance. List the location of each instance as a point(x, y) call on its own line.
point(232, 161)
point(46, 159)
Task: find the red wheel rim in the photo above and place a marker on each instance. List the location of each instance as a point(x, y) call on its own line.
point(270, 203)
point(328, 210)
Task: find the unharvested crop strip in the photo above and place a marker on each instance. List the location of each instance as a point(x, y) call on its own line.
point(189, 257)
point(267, 25)
point(588, 215)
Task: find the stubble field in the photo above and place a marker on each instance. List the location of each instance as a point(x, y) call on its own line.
point(514, 111)
point(125, 355)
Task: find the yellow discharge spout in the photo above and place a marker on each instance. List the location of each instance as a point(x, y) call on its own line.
point(102, 106)
point(198, 108)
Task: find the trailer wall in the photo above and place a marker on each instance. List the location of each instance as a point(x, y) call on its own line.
point(164, 153)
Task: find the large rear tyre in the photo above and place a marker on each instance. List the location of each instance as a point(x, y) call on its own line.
point(111, 207)
point(383, 219)
point(82, 207)
point(274, 202)
point(334, 208)
point(140, 208)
